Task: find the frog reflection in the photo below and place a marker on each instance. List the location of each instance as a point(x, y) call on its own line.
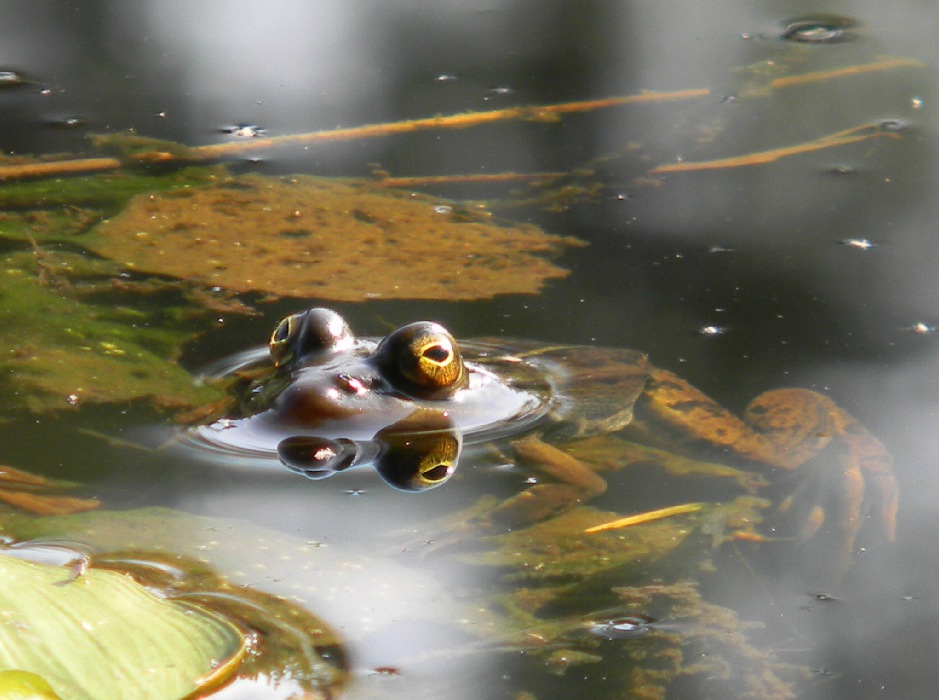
point(324, 401)
point(418, 453)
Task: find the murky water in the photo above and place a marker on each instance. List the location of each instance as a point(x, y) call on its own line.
point(813, 269)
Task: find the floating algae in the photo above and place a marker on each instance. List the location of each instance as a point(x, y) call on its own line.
point(341, 240)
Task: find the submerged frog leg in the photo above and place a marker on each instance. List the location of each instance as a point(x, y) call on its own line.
point(575, 482)
point(862, 475)
point(26, 491)
point(783, 429)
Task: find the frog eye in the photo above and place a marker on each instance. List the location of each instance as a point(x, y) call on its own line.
point(302, 335)
point(422, 359)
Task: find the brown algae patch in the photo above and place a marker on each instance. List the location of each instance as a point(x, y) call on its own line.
point(341, 240)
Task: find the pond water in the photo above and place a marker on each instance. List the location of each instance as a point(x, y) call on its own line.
point(814, 269)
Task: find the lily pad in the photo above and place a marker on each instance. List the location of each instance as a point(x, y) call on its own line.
point(103, 635)
point(341, 240)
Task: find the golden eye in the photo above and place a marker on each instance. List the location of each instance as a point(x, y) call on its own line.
point(300, 336)
point(423, 360)
point(282, 345)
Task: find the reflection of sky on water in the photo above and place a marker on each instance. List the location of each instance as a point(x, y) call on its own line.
point(799, 308)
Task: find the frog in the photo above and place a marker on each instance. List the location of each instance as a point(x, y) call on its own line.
point(320, 400)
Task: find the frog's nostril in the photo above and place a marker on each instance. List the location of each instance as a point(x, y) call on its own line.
point(351, 385)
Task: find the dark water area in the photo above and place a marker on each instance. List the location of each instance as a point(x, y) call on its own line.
point(814, 270)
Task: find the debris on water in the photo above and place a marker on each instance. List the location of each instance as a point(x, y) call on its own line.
point(819, 29)
point(501, 90)
point(244, 131)
point(922, 328)
point(859, 243)
point(712, 330)
point(11, 78)
point(67, 123)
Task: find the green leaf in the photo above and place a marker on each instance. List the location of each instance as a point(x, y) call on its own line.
point(102, 635)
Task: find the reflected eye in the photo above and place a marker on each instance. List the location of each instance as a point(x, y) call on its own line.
point(423, 360)
point(300, 336)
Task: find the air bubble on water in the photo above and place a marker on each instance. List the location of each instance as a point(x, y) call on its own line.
point(819, 29)
point(443, 209)
point(893, 124)
point(623, 627)
point(445, 78)
point(916, 102)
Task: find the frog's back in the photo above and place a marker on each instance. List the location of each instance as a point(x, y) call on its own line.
point(595, 389)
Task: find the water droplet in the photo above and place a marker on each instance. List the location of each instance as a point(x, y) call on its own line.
point(819, 29)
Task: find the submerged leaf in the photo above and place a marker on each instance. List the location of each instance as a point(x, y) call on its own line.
point(341, 240)
point(103, 635)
